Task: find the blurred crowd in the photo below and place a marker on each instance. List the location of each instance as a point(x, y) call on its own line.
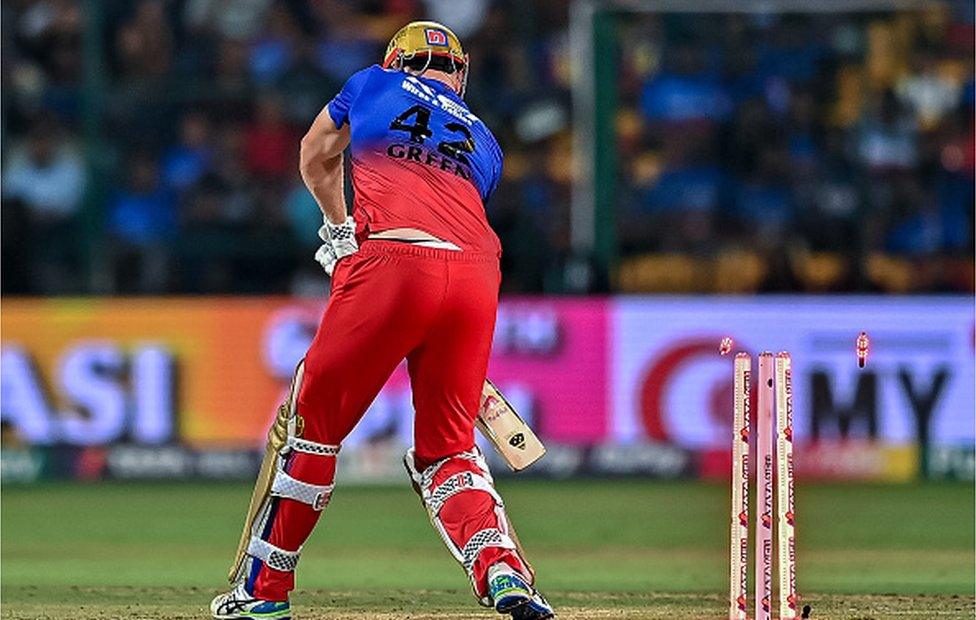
point(151, 146)
point(831, 149)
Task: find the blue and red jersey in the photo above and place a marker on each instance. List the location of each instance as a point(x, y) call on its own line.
point(420, 158)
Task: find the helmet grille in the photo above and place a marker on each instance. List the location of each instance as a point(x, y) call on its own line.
point(437, 62)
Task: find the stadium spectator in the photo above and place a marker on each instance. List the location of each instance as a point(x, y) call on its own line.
point(237, 20)
point(43, 185)
point(49, 33)
point(47, 176)
point(685, 91)
point(928, 93)
point(187, 161)
point(142, 218)
point(345, 44)
point(269, 148)
point(273, 51)
point(144, 41)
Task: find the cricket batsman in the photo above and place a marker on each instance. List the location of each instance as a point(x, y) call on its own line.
point(415, 276)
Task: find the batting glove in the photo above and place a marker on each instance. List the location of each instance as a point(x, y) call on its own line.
point(340, 241)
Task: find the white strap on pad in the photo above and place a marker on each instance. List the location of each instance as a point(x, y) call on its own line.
point(273, 556)
point(315, 495)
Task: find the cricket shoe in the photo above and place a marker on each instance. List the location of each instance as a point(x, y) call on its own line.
point(239, 605)
point(510, 594)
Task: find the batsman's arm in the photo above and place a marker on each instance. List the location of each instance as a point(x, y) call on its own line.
point(321, 165)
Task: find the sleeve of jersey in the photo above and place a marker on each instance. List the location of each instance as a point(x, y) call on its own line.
point(496, 172)
point(342, 104)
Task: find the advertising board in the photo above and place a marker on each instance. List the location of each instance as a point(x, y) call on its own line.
point(615, 386)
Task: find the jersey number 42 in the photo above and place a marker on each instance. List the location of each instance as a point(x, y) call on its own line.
point(419, 130)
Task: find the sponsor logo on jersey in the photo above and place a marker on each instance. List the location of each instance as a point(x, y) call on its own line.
point(436, 37)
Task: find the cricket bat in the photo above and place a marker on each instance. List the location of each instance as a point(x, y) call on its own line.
point(506, 430)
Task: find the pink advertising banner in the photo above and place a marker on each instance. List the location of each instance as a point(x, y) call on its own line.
point(549, 359)
point(555, 352)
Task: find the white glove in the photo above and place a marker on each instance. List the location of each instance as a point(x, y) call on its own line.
point(340, 241)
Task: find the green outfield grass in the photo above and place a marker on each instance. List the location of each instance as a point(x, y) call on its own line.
point(622, 549)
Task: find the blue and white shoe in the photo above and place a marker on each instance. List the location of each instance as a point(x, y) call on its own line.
point(511, 594)
point(239, 605)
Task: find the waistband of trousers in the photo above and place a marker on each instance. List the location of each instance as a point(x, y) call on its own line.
point(401, 248)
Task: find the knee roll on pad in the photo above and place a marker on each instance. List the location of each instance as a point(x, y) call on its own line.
point(469, 474)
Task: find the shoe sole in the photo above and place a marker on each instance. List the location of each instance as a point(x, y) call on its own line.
point(253, 617)
point(259, 616)
point(517, 602)
point(547, 615)
point(511, 608)
point(507, 607)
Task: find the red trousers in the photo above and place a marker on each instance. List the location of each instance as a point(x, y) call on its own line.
point(390, 301)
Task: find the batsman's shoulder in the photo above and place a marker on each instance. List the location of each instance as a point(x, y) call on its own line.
point(366, 74)
point(376, 72)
